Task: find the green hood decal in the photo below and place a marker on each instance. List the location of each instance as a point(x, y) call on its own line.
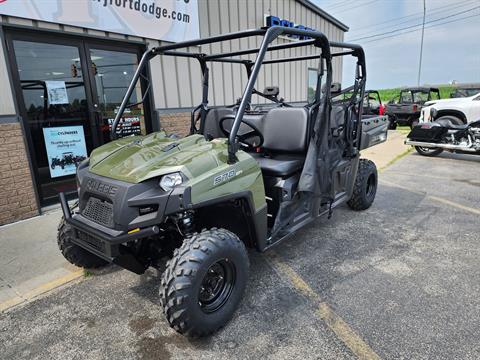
point(138, 158)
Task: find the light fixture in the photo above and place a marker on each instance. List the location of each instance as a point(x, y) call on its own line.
point(169, 181)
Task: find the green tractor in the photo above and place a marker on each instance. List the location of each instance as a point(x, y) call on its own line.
point(245, 177)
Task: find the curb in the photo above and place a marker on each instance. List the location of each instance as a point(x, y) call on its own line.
point(42, 289)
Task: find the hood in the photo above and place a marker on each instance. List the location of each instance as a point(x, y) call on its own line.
point(138, 158)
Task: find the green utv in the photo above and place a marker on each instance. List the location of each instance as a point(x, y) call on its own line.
point(245, 177)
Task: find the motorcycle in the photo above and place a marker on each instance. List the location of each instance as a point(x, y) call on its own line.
point(430, 139)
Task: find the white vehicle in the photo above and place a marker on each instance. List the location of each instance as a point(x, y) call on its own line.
point(458, 110)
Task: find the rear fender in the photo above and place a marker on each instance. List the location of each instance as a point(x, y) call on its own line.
point(455, 113)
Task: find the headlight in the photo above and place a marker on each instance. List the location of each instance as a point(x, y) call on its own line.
point(169, 181)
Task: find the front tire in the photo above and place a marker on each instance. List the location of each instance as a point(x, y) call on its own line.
point(365, 187)
point(74, 253)
point(428, 151)
point(204, 282)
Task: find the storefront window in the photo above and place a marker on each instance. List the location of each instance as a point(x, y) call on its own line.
point(71, 90)
point(113, 71)
point(53, 88)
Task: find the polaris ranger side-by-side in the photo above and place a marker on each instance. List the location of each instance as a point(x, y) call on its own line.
point(405, 109)
point(372, 103)
point(244, 178)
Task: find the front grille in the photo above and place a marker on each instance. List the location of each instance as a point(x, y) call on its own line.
point(99, 211)
point(91, 241)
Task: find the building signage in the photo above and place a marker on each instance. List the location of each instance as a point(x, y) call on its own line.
point(129, 125)
point(168, 20)
point(271, 20)
point(65, 149)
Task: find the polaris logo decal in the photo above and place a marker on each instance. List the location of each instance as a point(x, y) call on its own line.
point(102, 188)
point(224, 177)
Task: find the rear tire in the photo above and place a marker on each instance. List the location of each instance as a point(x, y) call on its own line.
point(74, 253)
point(428, 151)
point(392, 122)
point(365, 187)
point(453, 119)
point(204, 282)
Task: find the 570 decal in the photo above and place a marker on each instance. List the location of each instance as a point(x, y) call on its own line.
point(224, 177)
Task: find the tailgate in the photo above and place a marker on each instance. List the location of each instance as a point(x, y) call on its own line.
point(374, 131)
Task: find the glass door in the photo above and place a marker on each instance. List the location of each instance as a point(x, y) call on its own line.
point(53, 87)
point(69, 90)
point(112, 71)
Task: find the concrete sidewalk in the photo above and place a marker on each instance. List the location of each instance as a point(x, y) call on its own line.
point(392, 149)
point(31, 264)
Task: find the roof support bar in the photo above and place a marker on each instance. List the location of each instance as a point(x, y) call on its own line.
point(320, 40)
point(256, 50)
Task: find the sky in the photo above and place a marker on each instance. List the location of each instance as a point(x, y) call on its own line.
point(451, 51)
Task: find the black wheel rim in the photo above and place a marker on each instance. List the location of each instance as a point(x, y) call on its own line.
point(371, 185)
point(217, 286)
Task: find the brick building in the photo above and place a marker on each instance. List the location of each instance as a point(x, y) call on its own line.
point(65, 66)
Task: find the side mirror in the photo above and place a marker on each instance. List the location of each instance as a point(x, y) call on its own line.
point(271, 91)
point(336, 87)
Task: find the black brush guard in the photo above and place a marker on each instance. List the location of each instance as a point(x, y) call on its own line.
point(105, 246)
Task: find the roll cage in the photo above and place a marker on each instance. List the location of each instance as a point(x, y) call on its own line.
point(323, 97)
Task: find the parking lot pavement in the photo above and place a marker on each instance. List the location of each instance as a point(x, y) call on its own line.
point(403, 277)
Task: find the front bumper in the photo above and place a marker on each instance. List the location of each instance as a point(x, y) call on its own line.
point(104, 245)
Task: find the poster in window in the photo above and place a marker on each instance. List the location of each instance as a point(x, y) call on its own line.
point(65, 149)
point(57, 92)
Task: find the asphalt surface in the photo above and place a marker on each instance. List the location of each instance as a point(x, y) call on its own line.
point(404, 275)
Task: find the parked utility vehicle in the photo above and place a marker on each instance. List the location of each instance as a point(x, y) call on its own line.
point(465, 90)
point(405, 108)
point(372, 103)
point(242, 178)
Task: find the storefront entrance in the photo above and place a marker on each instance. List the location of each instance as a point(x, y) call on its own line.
point(68, 91)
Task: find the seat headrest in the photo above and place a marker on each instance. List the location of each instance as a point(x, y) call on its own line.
point(286, 129)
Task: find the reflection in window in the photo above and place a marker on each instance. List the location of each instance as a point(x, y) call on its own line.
point(41, 62)
point(113, 71)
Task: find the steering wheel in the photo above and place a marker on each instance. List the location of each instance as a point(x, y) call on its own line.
point(245, 134)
